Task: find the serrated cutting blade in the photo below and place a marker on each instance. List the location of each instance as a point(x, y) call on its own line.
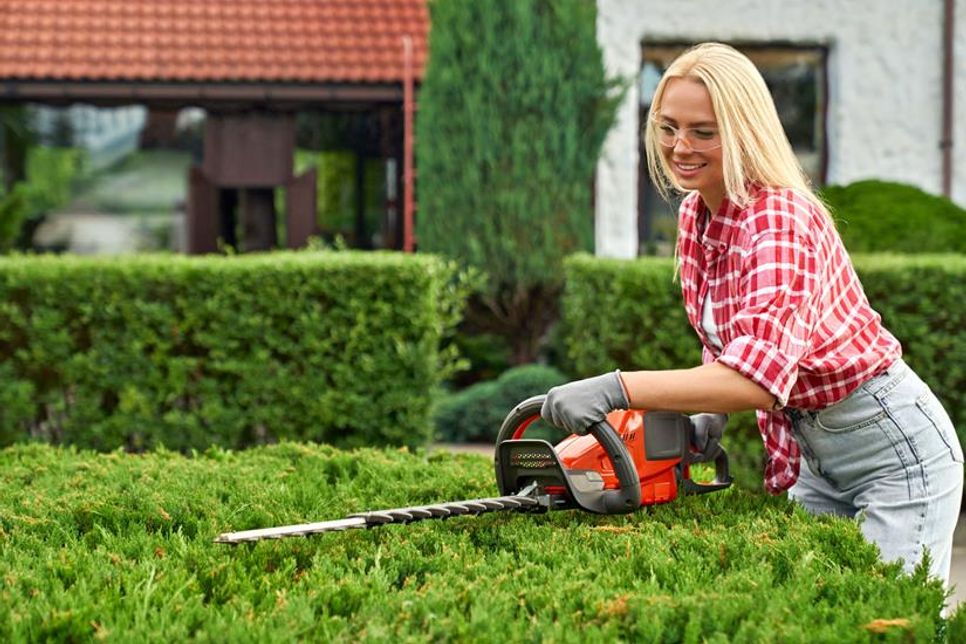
point(300, 530)
point(528, 500)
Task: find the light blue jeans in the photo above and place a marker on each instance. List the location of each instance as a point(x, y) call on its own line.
point(888, 456)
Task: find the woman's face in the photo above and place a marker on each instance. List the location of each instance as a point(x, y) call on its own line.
point(686, 108)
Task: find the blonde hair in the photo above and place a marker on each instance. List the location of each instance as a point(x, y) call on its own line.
point(754, 145)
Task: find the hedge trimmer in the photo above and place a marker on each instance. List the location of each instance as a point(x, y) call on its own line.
point(632, 459)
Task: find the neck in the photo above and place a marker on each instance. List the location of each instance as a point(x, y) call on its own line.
point(712, 199)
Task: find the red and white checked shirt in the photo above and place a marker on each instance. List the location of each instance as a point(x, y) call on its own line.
point(788, 307)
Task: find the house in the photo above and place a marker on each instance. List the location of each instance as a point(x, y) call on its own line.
point(866, 89)
point(251, 65)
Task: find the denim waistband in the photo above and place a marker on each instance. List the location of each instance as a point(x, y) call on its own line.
point(887, 379)
point(882, 382)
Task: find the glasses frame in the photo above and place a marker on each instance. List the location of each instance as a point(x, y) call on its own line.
point(681, 134)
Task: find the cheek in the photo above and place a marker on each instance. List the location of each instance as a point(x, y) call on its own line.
point(716, 161)
point(666, 153)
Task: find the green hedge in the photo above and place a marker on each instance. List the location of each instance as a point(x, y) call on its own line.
point(881, 216)
point(189, 352)
point(117, 545)
point(629, 314)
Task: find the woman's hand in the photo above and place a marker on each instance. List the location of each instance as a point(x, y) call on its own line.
point(577, 405)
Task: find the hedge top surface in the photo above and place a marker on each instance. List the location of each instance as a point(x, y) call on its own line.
point(95, 545)
point(279, 259)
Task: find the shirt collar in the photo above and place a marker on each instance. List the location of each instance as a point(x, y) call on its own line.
point(719, 229)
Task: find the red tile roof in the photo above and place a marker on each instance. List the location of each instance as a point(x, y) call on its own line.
point(300, 41)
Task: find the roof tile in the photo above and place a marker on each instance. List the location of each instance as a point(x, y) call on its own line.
point(319, 41)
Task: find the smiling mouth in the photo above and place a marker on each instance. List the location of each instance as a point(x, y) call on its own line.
point(688, 167)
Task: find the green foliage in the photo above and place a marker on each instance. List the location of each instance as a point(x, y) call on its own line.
point(880, 216)
point(188, 352)
point(513, 112)
point(13, 211)
point(476, 413)
point(120, 546)
point(622, 314)
point(335, 199)
point(629, 315)
point(922, 300)
point(51, 173)
point(487, 356)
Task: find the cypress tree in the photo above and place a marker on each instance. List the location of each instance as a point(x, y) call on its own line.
point(513, 111)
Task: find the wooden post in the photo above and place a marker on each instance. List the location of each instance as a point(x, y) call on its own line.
point(202, 215)
point(300, 208)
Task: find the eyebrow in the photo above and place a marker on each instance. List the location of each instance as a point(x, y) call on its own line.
point(701, 124)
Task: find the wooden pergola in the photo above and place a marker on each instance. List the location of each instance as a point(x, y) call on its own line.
point(252, 65)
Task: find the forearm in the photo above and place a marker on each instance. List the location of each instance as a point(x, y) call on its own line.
point(712, 387)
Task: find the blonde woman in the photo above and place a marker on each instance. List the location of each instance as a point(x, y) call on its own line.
point(785, 324)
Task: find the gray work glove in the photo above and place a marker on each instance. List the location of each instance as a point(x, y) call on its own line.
point(707, 433)
point(577, 405)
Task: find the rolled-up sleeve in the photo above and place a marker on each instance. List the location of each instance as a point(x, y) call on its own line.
point(778, 289)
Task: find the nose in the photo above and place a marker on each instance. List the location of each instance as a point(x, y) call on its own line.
point(681, 144)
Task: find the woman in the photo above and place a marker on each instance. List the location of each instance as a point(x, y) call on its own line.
point(785, 325)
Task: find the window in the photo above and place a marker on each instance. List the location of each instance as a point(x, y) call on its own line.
point(795, 75)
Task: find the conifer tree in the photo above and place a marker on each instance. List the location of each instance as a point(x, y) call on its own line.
point(513, 111)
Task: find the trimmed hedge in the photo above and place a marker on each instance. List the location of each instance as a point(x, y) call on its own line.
point(117, 545)
point(190, 352)
point(882, 216)
point(629, 314)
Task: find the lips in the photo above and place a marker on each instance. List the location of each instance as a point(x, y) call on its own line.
point(687, 170)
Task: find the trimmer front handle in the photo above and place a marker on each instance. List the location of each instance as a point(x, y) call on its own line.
point(626, 498)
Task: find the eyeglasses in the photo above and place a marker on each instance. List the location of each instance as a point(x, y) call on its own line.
point(698, 139)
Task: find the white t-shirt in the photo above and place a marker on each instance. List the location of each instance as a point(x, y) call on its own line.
point(707, 323)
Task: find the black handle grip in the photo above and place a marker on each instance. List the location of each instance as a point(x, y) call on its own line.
point(705, 436)
point(627, 497)
point(722, 477)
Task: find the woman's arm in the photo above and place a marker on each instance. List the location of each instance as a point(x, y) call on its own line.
point(712, 387)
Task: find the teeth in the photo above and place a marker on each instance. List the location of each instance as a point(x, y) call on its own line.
point(686, 166)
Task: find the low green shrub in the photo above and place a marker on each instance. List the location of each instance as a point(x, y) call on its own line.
point(629, 315)
point(881, 216)
point(189, 352)
point(476, 413)
point(117, 545)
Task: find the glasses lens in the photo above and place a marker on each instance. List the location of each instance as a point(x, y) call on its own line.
point(698, 139)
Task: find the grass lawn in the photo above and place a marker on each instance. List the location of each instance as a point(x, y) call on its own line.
point(119, 547)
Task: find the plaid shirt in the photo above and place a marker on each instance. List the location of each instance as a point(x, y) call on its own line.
point(788, 307)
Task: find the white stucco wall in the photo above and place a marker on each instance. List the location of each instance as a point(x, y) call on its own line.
point(885, 87)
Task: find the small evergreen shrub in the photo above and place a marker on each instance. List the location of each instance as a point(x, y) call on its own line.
point(119, 546)
point(190, 352)
point(477, 412)
point(880, 216)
